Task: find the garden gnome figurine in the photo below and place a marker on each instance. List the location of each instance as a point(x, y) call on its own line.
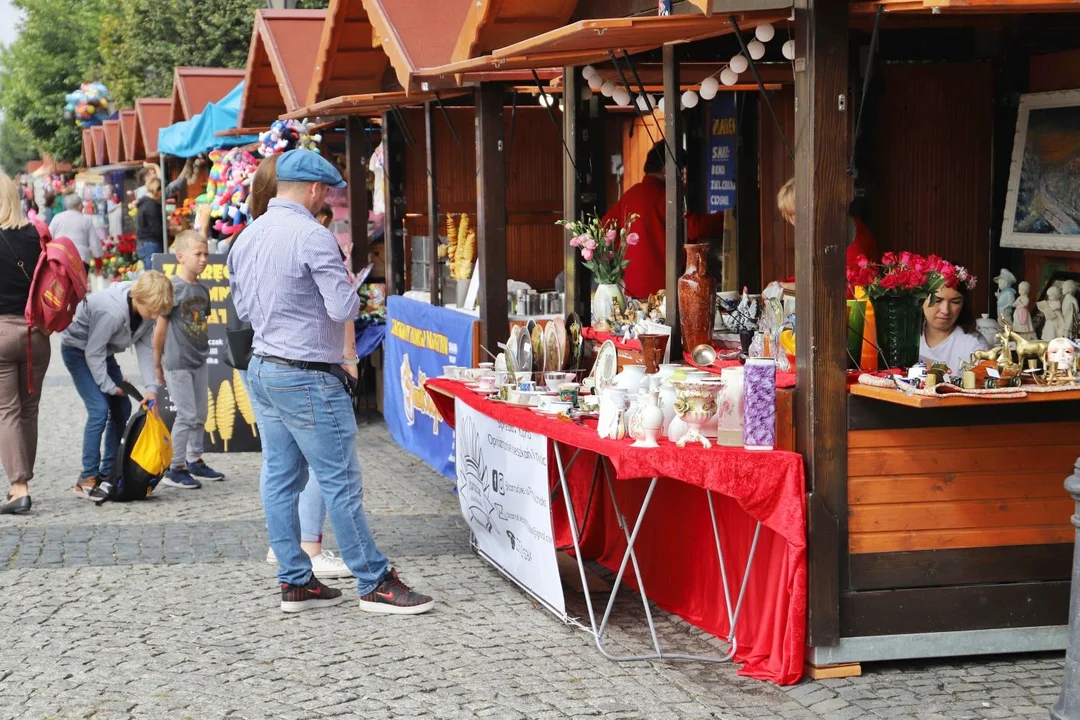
point(1022, 312)
point(1070, 310)
point(1006, 295)
point(1051, 310)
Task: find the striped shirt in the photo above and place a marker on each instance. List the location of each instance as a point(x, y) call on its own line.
point(288, 281)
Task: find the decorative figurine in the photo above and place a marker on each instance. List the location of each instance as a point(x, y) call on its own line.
point(1006, 295)
point(1022, 313)
point(1003, 347)
point(1054, 327)
point(1070, 309)
point(1059, 363)
point(1027, 348)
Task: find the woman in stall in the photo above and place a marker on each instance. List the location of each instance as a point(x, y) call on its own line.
point(949, 335)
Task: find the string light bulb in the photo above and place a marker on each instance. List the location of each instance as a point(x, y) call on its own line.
point(765, 32)
point(621, 96)
point(588, 72)
point(709, 87)
point(607, 89)
point(756, 49)
point(595, 82)
point(729, 77)
point(645, 103)
point(788, 49)
point(689, 99)
point(738, 64)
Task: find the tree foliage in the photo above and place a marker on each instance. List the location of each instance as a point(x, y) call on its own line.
point(16, 146)
point(130, 45)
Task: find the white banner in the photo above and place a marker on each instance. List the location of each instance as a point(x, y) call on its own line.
point(502, 481)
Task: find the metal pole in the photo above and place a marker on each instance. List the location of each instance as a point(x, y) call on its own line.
point(1068, 705)
point(164, 214)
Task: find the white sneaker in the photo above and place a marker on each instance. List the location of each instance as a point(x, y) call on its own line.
point(328, 566)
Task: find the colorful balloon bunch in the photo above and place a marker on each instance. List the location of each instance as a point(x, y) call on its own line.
point(228, 188)
point(89, 105)
point(285, 135)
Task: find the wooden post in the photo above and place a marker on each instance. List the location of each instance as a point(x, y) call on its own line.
point(675, 227)
point(356, 166)
point(434, 276)
point(576, 276)
point(393, 142)
point(821, 195)
point(491, 212)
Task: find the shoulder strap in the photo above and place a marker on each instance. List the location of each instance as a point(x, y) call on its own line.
point(18, 262)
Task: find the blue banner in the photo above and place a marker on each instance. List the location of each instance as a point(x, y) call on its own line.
point(722, 137)
point(420, 339)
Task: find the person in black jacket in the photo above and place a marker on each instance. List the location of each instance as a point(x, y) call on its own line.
point(19, 251)
point(149, 233)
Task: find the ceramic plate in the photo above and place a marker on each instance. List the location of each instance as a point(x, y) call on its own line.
point(564, 342)
point(537, 343)
point(525, 350)
point(607, 365)
point(573, 332)
point(551, 348)
point(513, 347)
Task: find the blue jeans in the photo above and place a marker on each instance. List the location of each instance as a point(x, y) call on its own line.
point(145, 251)
point(306, 418)
point(106, 414)
point(312, 507)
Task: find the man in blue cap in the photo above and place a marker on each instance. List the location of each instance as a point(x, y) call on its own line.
point(288, 280)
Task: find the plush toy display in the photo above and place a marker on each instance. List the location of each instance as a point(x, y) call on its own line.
point(89, 105)
point(285, 135)
point(228, 188)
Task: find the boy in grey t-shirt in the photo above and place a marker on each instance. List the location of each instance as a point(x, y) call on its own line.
point(182, 339)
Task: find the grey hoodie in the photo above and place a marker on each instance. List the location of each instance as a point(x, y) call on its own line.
point(102, 327)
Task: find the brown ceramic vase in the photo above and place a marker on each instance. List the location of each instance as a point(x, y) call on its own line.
point(697, 298)
point(652, 348)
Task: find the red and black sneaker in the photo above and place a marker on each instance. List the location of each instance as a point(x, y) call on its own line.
point(298, 598)
point(395, 597)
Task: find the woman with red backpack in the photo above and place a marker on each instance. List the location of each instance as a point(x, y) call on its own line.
point(20, 248)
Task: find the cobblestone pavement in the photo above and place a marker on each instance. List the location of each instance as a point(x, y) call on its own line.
point(167, 609)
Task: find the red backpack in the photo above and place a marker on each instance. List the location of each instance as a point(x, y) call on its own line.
point(58, 286)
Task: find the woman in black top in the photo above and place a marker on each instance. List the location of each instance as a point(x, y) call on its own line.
point(19, 251)
point(149, 234)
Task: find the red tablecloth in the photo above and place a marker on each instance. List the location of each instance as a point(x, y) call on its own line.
point(675, 547)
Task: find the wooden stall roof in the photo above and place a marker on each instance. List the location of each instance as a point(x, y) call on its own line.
point(369, 105)
point(965, 6)
point(87, 148)
point(726, 7)
point(153, 114)
point(129, 134)
point(194, 87)
point(498, 23)
point(588, 41)
point(349, 60)
point(414, 40)
point(114, 149)
point(281, 60)
point(97, 133)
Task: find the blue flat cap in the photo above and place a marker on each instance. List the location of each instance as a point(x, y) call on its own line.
point(307, 166)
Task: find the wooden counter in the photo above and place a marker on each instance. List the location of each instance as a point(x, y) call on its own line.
point(957, 518)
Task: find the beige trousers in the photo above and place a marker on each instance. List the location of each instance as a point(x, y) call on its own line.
point(19, 408)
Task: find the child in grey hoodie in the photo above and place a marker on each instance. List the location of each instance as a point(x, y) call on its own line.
point(105, 324)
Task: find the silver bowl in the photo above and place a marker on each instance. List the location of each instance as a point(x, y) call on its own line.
point(703, 355)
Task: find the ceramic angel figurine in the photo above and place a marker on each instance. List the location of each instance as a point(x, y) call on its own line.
point(1022, 313)
point(1070, 310)
point(1051, 310)
point(1006, 295)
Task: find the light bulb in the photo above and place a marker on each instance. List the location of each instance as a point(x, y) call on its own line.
point(660, 105)
point(788, 49)
point(621, 96)
point(545, 100)
point(645, 103)
point(588, 71)
point(595, 82)
point(728, 76)
point(765, 32)
point(709, 86)
point(689, 99)
point(757, 49)
point(586, 94)
point(607, 89)
point(738, 64)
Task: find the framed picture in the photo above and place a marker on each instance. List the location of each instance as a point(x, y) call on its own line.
point(1042, 207)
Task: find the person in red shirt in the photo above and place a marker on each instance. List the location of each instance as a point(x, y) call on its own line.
point(648, 200)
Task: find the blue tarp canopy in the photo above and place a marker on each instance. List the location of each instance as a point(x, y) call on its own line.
point(199, 134)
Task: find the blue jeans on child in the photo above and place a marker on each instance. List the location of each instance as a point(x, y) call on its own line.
point(106, 414)
point(312, 508)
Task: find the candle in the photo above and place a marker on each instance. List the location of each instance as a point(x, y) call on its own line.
point(759, 404)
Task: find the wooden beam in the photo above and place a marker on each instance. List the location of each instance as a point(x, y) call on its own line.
point(491, 212)
point(675, 227)
point(575, 275)
point(434, 276)
point(393, 142)
point(356, 166)
point(821, 192)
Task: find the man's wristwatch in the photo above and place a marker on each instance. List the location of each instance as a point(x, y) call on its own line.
point(350, 361)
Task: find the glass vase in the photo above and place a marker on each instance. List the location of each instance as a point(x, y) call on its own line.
point(899, 328)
